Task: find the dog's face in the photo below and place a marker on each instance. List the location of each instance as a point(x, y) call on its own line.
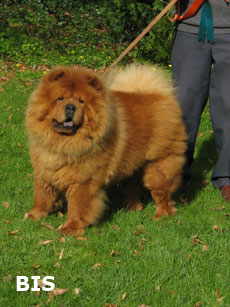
point(67, 116)
point(68, 100)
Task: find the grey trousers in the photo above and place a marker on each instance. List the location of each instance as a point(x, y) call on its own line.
point(201, 71)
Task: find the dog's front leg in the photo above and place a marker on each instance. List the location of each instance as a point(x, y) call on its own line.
point(85, 207)
point(44, 199)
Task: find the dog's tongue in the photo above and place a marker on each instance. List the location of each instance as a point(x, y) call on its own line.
point(68, 124)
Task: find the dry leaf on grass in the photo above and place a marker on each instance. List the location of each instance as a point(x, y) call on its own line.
point(62, 240)
point(217, 294)
point(97, 265)
point(61, 254)
point(6, 204)
point(143, 305)
point(158, 288)
point(14, 232)
point(124, 296)
point(48, 226)
point(116, 227)
point(197, 304)
point(216, 227)
point(205, 248)
point(26, 216)
point(196, 240)
point(113, 253)
point(140, 243)
point(45, 242)
point(171, 292)
point(7, 278)
point(55, 292)
point(136, 233)
point(77, 291)
point(108, 305)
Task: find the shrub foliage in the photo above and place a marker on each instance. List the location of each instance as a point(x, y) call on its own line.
point(40, 31)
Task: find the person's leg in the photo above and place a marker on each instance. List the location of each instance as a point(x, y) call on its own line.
point(220, 109)
point(191, 66)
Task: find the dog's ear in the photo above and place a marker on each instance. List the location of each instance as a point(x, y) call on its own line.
point(55, 74)
point(95, 82)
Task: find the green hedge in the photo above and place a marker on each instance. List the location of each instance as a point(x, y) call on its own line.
point(81, 32)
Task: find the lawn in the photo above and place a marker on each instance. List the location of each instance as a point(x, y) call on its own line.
point(125, 260)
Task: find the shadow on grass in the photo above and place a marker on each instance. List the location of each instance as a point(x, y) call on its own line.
point(204, 161)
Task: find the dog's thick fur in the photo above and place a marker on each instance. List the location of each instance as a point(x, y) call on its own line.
point(86, 133)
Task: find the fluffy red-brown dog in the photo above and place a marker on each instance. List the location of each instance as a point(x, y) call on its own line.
point(86, 133)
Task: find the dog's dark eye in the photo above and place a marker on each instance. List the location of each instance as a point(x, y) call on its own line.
point(81, 100)
point(60, 98)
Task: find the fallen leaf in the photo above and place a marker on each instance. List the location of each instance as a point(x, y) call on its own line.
point(197, 304)
point(7, 278)
point(26, 216)
point(124, 296)
point(11, 233)
point(76, 291)
point(108, 305)
point(158, 288)
point(140, 243)
point(116, 227)
point(61, 254)
point(113, 253)
point(171, 292)
point(59, 291)
point(205, 248)
point(143, 305)
point(57, 265)
point(97, 265)
point(48, 226)
point(215, 227)
point(6, 204)
point(136, 233)
point(6, 221)
point(40, 284)
point(45, 242)
point(217, 294)
point(62, 240)
point(196, 240)
point(37, 266)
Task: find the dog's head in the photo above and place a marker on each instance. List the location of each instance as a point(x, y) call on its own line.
point(69, 103)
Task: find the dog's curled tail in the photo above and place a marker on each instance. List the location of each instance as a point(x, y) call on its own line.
point(137, 78)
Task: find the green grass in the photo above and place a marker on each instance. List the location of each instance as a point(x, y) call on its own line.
point(182, 261)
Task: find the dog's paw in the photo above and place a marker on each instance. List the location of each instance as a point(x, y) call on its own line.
point(72, 229)
point(35, 214)
point(164, 212)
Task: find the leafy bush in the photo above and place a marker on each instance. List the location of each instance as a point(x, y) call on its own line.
point(81, 32)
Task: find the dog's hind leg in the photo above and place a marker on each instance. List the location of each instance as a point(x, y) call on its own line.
point(162, 178)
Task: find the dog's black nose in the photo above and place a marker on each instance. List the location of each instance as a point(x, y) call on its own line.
point(70, 109)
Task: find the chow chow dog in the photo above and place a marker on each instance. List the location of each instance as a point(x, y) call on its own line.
point(87, 132)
